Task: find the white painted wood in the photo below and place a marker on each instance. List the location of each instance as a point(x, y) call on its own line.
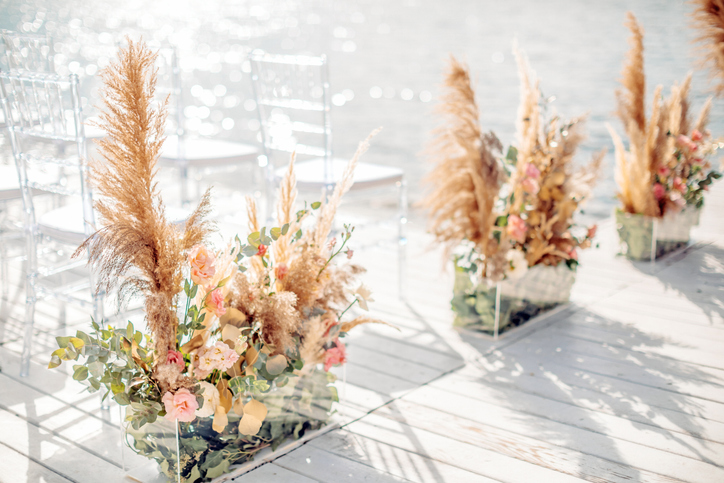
point(17, 467)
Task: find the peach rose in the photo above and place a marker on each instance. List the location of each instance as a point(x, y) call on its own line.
point(215, 303)
point(175, 357)
point(517, 228)
point(335, 355)
point(202, 265)
point(281, 271)
point(181, 406)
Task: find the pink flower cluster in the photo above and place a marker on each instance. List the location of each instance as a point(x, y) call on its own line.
point(335, 355)
point(215, 303)
point(219, 356)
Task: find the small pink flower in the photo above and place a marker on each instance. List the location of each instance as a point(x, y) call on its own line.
point(573, 254)
point(517, 228)
point(175, 357)
point(335, 355)
point(679, 185)
point(592, 231)
point(349, 252)
point(659, 191)
point(664, 171)
point(530, 186)
point(696, 135)
point(332, 243)
point(531, 171)
point(683, 140)
point(202, 265)
point(262, 250)
point(281, 271)
point(181, 406)
point(215, 303)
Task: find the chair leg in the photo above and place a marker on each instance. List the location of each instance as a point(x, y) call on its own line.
point(30, 300)
point(401, 238)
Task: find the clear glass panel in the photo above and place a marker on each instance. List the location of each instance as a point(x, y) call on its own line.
point(637, 233)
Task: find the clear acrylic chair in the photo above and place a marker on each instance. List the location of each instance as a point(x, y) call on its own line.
point(185, 152)
point(37, 108)
point(293, 102)
point(28, 52)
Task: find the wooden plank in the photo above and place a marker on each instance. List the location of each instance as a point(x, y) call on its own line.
point(468, 455)
point(671, 376)
point(62, 456)
point(598, 397)
point(330, 468)
point(538, 442)
point(393, 460)
point(18, 468)
point(517, 411)
point(392, 365)
point(273, 473)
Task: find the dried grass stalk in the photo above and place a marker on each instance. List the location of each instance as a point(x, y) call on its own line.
point(466, 176)
point(708, 22)
point(136, 234)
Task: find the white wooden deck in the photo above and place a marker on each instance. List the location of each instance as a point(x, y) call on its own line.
point(626, 384)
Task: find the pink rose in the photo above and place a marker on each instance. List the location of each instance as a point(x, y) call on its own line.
point(530, 186)
point(335, 355)
point(281, 271)
point(175, 357)
point(215, 303)
point(202, 265)
point(181, 406)
point(682, 140)
point(659, 191)
point(696, 135)
point(664, 171)
point(531, 171)
point(573, 254)
point(517, 228)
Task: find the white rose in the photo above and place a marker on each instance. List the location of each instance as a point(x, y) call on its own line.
point(519, 264)
point(211, 400)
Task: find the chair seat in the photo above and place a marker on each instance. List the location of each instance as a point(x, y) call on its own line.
point(202, 152)
point(66, 224)
point(310, 174)
point(9, 184)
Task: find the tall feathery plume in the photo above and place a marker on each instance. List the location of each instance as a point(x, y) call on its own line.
point(285, 213)
point(528, 124)
point(136, 234)
point(466, 177)
point(329, 206)
point(708, 22)
point(633, 170)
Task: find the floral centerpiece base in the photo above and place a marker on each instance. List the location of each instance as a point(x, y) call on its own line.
point(637, 232)
point(540, 289)
point(185, 453)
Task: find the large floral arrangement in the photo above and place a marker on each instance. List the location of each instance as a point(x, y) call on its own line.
point(666, 167)
point(236, 336)
point(500, 215)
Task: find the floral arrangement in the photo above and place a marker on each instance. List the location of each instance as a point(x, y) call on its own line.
point(501, 215)
point(666, 166)
point(231, 363)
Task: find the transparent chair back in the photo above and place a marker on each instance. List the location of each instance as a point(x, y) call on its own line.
point(292, 98)
point(37, 108)
point(28, 52)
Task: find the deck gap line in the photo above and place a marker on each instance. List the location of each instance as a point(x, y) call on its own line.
point(39, 462)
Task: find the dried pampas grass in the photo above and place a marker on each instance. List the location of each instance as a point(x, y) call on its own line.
point(652, 140)
point(136, 234)
point(708, 22)
point(466, 176)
